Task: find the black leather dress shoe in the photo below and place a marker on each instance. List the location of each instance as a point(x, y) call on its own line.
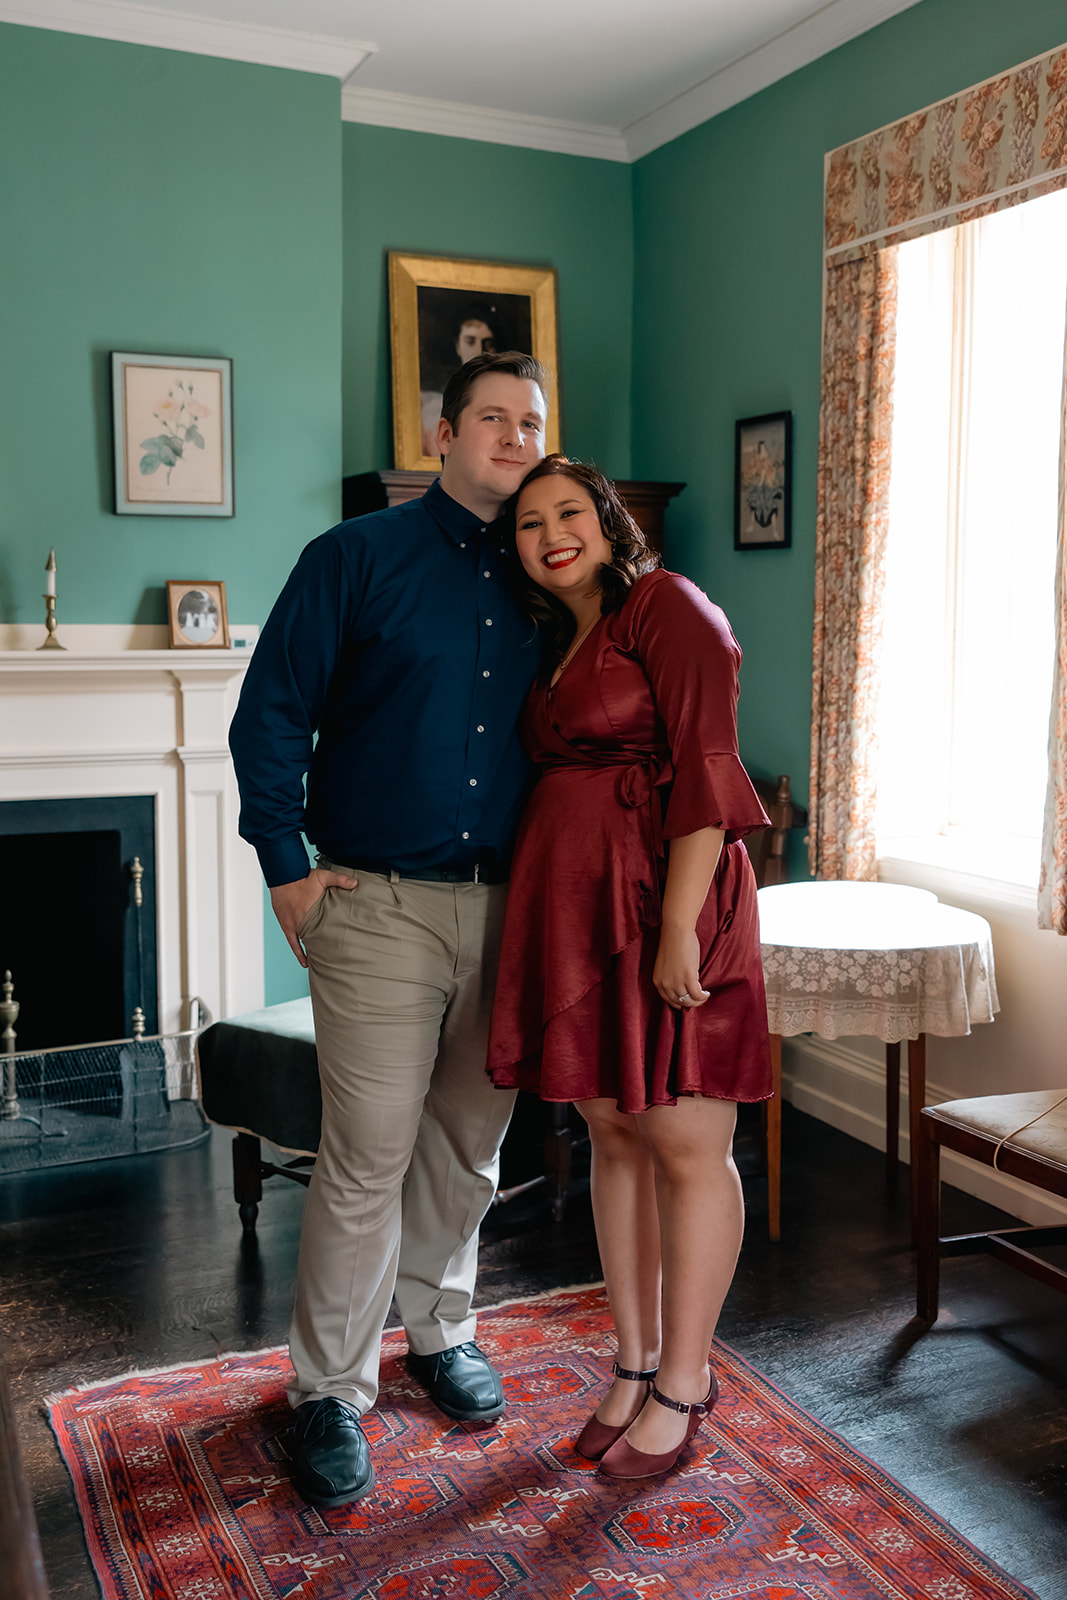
point(461, 1382)
point(332, 1460)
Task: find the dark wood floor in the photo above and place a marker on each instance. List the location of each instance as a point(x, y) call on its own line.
point(140, 1263)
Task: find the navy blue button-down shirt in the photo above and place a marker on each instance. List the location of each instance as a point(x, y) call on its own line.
point(397, 640)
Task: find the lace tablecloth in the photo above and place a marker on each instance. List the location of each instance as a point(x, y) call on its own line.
point(841, 959)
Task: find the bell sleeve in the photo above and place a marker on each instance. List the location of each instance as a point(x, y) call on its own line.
point(691, 658)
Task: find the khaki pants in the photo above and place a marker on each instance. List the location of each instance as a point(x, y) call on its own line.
point(401, 987)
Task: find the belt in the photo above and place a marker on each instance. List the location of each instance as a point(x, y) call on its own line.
point(480, 872)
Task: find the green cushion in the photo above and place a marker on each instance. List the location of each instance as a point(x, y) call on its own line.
point(259, 1073)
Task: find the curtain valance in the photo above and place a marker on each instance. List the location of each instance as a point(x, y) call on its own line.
point(978, 151)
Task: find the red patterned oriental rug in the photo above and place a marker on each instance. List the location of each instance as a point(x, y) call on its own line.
point(183, 1480)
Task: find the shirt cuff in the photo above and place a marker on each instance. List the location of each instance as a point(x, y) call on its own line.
point(283, 861)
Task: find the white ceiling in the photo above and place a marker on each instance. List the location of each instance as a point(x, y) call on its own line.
point(603, 77)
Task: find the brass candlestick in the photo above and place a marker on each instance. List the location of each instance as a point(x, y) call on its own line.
point(49, 598)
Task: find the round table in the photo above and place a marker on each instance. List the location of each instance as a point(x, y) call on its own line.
point(842, 958)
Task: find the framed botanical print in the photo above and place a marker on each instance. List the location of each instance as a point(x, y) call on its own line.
point(173, 435)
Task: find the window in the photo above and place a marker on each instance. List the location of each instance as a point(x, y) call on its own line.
point(968, 639)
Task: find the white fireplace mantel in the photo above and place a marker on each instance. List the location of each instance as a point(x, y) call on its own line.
point(90, 722)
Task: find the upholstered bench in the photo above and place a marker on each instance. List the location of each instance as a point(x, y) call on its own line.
point(1024, 1135)
point(259, 1075)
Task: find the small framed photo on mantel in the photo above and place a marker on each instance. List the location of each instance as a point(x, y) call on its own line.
point(173, 428)
point(763, 482)
point(196, 610)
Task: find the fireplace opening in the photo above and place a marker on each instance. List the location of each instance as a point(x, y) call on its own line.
point(80, 948)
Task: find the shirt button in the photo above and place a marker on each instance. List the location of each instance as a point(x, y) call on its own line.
point(485, 674)
point(463, 546)
point(489, 622)
point(481, 530)
point(466, 836)
point(487, 573)
point(480, 728)
point(474, 783)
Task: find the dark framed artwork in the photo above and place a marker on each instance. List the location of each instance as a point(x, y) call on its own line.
point(173, 429)
point(763, 482)
point(445, 310)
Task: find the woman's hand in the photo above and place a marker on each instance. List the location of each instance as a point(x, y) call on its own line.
point(677, 970)
point(691, 866)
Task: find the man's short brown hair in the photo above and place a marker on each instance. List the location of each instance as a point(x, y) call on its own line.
point(512, 363)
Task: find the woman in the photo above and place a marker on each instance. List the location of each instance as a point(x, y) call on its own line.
point(630, 978)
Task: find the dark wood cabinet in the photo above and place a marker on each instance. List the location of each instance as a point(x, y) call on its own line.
point(374, 491)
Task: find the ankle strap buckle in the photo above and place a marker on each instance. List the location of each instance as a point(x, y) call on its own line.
point(700, 1408)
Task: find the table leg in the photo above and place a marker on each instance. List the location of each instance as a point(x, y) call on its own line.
point(916, 1101)
point(892, 1113)
point(774, 1142)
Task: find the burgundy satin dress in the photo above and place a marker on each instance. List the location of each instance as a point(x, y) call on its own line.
point(636, 745)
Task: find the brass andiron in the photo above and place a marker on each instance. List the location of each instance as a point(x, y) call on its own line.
point(137, 1024)
point(49, 597)
point(9, 1010)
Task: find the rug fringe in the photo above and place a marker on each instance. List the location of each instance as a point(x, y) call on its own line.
point(272, 1350)
point(155, 1372)
point(531, 1299)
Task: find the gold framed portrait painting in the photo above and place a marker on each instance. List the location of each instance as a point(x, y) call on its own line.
point(444, 311)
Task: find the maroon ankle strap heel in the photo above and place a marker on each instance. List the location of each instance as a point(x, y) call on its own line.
point(621, 1460)
point(597, 1436)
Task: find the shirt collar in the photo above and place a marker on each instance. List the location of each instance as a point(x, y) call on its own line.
point(459, 523)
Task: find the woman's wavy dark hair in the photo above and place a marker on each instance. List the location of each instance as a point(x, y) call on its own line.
point(630, 555)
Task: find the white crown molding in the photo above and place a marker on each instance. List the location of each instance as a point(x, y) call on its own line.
point(199, 35)
point(384, 109)
point(832, 25)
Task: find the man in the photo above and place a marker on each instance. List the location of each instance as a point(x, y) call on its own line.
point(397, 640)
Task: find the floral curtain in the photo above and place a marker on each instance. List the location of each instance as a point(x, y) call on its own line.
point(1052, 888)
point(989, 147)
point(853, 495)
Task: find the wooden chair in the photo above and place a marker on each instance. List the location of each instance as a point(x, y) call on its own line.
point(769, 849)
point(1024, 1135)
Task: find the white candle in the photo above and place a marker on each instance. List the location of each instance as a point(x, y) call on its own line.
point(50, 575)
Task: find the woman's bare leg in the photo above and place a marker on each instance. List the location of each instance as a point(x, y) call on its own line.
point(701, 1220)
point(627, 1231)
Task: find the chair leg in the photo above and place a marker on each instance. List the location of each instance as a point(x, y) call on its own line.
point(926, 1165)
point(774, 1143)
point(558, 1142)
point(247, 1178)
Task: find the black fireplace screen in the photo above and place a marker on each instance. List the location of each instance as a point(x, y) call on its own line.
point(80, 948)
point(119, 1098)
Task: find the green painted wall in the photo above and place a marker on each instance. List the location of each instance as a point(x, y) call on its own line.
point(172, 203)
point(727, 310)
point(455, 197)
